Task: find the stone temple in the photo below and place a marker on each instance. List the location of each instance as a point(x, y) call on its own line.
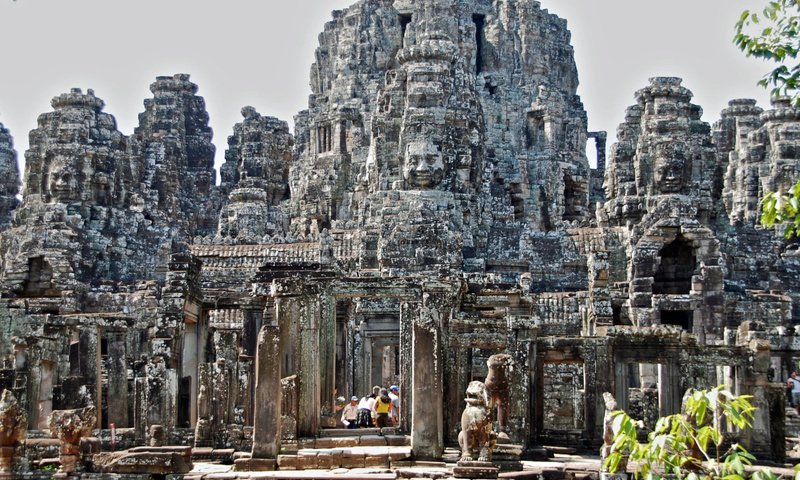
point(433, 207)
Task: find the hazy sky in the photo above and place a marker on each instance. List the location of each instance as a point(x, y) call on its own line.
point(258, 52)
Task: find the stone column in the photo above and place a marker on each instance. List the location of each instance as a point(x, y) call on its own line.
point(203, 435)
point(426, 428)
point(268, 398)
point(599, 381)
point(406, 365)
point(520, 347)
point(760, 438)
point(326, 354)
point(117, 379)
point(140, 411)
point(303, 313)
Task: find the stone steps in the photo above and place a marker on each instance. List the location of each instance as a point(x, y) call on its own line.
point(361, 441)
point(357, 432)
point(356, 457)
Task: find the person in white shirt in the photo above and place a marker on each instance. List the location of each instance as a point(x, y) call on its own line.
point(394, 395)
point(365, 411)
point(350, 414)
point(794, 383)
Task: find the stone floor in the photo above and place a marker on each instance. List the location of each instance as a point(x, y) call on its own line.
point(561, 466)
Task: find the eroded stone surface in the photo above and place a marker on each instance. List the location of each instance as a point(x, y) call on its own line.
point(433, 208)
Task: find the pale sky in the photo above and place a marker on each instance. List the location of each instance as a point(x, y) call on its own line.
point(258, 52)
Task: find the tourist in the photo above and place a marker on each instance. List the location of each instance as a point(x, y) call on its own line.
point(794, 382)
point(394, 394)
point(376, 391)
point(365, 411)
point(350, 414)
point(382, 406)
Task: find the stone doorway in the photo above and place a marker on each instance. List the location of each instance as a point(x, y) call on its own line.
point(367, 349)
point(564, 400)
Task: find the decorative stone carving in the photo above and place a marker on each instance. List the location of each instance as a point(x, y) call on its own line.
point(477, 437)
point(423, 166)
point(13, 429)
point(608, 430)
point(435, 204)
point(663, 149)
point(174, 140)
point(499, 390)
point(69, 426)
point(670, 168)
point(256, 173)
point(13, 420)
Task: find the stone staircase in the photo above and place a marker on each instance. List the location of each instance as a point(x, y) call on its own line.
point(342, 448)
point(792, 433)
point(792, 423)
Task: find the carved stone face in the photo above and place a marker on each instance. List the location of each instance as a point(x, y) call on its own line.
point(423, 167)
point(62, 181)
point(669, 169)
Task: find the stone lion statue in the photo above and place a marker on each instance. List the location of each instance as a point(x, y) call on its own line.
point(477, 436)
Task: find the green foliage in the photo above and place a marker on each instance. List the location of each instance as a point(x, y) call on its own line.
point(782, 208)
point(689, 444)
point(774, 36)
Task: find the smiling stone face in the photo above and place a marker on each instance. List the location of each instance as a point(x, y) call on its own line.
point(423, 167)
point(62, 180)
point(669, 168)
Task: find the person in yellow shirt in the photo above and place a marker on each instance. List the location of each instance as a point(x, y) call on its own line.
point(382, 406)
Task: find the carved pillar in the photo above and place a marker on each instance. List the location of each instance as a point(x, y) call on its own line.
point(426, 428)
point(267, 422)
point(520, 408)
point(603, 382)
point(407, 315)
point(427, 321)
point(595, 371)
point(361, 384)
point(759, 440)
point(303, 314)
point(117, 379)
point(327, 354)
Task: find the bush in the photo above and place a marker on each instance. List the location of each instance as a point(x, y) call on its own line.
point(690, 444)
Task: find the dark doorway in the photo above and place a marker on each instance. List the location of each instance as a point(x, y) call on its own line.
point(680, 318)
point(674, 275)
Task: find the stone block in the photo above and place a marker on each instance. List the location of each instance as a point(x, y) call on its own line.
point(372, 441)
point(373, 460)
point(307, 460)
point(289, 462)
point(142, 462)
point(353, 460)
point(336, 442)
point(254, 464)
point(327, 460)
point(397, 440)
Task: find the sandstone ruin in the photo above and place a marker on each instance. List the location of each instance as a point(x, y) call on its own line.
point(434, 207)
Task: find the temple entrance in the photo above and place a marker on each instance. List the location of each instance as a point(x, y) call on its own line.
point(643, 393)
point(563, 400)
point(648, 388)
point(367, 347)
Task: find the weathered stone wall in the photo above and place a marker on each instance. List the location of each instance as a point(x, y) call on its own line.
point(434, 207)
point(9, 177)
